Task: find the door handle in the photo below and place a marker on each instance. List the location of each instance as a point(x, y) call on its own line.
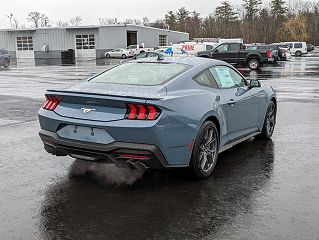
point(231, 102)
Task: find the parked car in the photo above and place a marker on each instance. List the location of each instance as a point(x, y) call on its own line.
point(119, 53)
point(283, 51)
point(297, 48)
point(237, 54)
point(310, 47)
point(264, 48)
point(136, 49)
point(177, 112)
point(4, 58)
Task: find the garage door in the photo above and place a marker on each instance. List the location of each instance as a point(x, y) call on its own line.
point(25, 47)
point(85, 46)
point(25, 52)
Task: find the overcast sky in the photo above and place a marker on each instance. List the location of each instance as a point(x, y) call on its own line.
point(92, 10)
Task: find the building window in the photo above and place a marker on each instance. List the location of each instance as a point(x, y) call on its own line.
point(85, 41)
point(162, 40)
point(24, 43)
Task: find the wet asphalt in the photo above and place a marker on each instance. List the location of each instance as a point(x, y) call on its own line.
point(259, 189)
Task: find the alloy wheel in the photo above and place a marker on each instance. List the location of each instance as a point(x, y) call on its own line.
point(270, 121)
point(208, 149)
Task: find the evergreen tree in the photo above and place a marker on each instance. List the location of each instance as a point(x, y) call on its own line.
point(252, 7)
point(170, 20)
point(278, 9)
point(225, 16)
point(225, 12)
point(182, 17)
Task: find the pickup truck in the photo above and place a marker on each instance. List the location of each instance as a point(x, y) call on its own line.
point(136, 49)
point(4, 58)
point(237, 54)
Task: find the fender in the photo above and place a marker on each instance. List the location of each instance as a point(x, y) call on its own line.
point(254, 55)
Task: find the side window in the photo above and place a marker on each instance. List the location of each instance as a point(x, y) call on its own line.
point(222, 48)
point(298, 45)
point(227, 77)
point(206, 79)
point(234, 47)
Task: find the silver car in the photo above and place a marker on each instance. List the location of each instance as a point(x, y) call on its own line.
point(119, 53)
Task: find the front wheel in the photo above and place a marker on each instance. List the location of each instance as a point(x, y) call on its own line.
point(6, 63)
point(107, 55)
point(205, 150)
point(253, 64)
point(269, 122)
point(123, 56)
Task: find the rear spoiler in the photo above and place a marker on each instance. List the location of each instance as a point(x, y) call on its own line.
point(89, 94)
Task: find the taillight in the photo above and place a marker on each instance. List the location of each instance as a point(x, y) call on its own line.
point(268, 53)
point(141, 112)
point(51, 103)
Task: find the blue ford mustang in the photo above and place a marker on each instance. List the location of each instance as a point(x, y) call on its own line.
point(158, 113)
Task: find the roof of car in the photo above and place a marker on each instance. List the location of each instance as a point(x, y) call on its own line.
point(193, 61)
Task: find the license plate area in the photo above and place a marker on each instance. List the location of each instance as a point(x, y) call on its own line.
point(85, 134)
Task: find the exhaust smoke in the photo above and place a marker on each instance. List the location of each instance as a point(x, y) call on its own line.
point(108, 174)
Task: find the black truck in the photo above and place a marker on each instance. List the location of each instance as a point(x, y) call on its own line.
point(4, 58)
point(237, 54)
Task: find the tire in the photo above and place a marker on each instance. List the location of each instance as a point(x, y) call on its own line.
point(6, 63)
point(269, 122)
point(253, 64)
point(123, 56)
point(298, 54)
point(205, 151)
point(107, 56)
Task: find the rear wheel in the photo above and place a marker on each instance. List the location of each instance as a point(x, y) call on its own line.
point(205, 150)
point(6, 63)
point(107, 55)
point(269, 122)
point(298, 54)
point(253, 64)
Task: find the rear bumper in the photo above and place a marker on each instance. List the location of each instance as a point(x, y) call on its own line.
point(121, 153)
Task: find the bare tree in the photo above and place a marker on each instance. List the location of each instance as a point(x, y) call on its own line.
point(137, 22)
point(146, 21)
point(15, 23)
point(76, 21)
point(45, 21)
point(10, 16)
point(129, 21)
point(106, 21)
point(35, 18)
point(61, 24)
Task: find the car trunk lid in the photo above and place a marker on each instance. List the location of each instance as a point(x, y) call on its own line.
point(98, 102)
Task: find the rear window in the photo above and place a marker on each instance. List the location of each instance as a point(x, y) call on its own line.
point(298, 45)
point(141, 73)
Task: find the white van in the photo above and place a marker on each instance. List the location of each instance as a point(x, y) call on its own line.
point(191, 48)
point(297, 48)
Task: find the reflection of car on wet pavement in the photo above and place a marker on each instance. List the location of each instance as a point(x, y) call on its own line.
point(150, 54)
point(4, 58)
point(174, 112)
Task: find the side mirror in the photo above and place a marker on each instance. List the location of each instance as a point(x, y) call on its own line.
point(215, 50)
point(254, 83)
